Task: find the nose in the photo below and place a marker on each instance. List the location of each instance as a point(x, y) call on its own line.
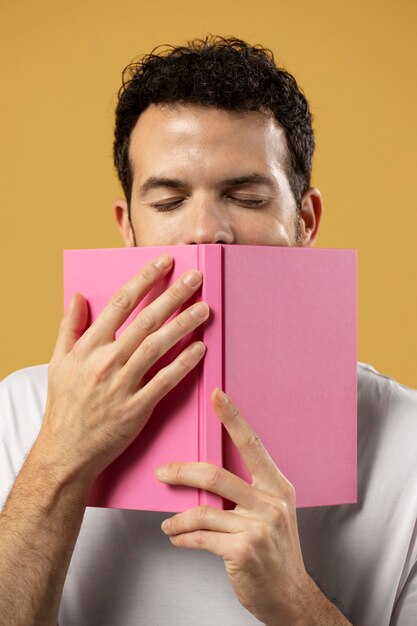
point(208, 223)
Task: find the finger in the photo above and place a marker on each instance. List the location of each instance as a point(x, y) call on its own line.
point(203, 518)
point(216, 543)
point(157, 344)
point(126, 299)
point(256, 458)
point(211, 478)
point(169, 376)
point(72, 326)
point(151, 318)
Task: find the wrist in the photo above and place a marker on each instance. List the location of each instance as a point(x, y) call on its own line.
point(309, 607)
point(292, 605)
point(320, 610)
point(54, 476)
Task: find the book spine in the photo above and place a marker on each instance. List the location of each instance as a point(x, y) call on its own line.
point(210, 259)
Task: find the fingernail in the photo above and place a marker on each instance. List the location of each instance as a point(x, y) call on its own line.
point(161, 472)
point(192, 279)
point(199, 348)
point(221, 396)
point(163, 262)
point(199, 310)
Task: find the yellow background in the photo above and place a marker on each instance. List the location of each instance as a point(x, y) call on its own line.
point(61, 64)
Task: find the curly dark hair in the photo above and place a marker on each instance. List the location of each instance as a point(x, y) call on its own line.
point(226, 73)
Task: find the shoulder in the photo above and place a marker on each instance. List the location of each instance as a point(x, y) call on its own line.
point(22, 405)
point(22, 401)
point(371, 381)
point(24, 389)
point(35, 375)
point(387, 437)
point(384, 403)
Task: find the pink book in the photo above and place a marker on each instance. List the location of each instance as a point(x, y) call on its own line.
point(281, 342)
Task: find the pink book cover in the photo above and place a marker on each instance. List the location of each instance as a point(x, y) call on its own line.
point(281, 341)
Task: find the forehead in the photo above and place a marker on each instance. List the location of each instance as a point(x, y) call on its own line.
point(198, 138)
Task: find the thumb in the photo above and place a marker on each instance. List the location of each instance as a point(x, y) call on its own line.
point(72, 326)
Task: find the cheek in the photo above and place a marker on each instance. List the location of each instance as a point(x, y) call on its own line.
point(267, 230)
point(156, 229)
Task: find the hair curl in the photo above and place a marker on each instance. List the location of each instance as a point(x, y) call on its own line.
point(226, 73)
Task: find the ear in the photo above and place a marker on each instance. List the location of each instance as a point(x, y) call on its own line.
point(121, 213)
point(311, 212)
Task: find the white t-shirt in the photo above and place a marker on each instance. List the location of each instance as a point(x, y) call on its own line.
point(125, 572)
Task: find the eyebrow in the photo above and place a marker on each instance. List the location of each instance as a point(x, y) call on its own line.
point(154, 182)
point(250, 179)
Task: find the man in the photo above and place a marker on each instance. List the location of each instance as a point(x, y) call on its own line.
point(213, 144)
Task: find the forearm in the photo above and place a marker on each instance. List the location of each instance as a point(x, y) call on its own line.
point(312, 608)
point(39, 526)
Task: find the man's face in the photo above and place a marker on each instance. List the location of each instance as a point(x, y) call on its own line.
point(205, 175)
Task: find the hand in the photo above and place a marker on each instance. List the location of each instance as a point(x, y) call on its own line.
point(258, 540)
point(97, 400)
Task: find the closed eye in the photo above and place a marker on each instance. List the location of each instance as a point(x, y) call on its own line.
point(167, 206)
point(173, 204)
point(248, 202)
